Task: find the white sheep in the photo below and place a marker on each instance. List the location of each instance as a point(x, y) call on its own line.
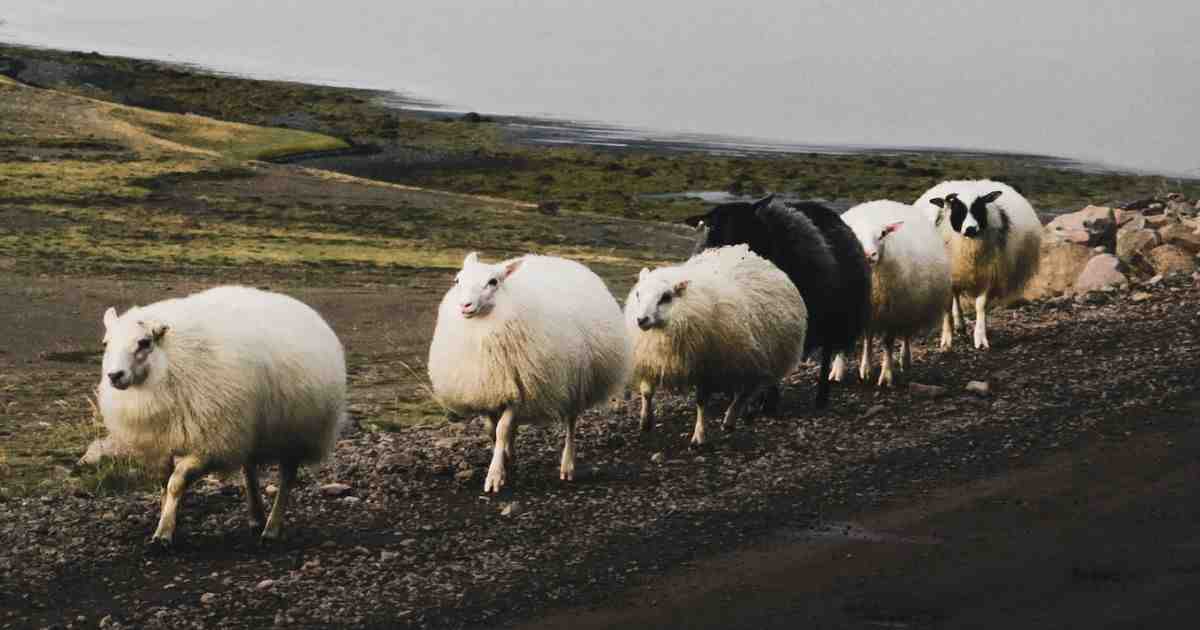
point(724, 321)
point(228, 378)
point(910, 279)
point(531, 339)
point(993, 236)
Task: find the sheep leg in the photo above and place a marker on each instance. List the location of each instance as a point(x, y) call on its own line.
point(258, 515)
point(698, 432)
point(771, 396)
point(737, 406)
point(837, 373)
point(885, 371)
point(501, 452)
point(187, 469)
point(864, 364)
point(947, 331)
point(959, 320)
point(905, 353)
point(287, 479)
point(489, 426)
point(981, 340)
point(566, 470)
point(822, 378)
point(647, 391)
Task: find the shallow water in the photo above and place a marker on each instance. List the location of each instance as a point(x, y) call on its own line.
point(1104, 82)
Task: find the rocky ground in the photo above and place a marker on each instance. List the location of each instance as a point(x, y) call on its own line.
point(395, 532)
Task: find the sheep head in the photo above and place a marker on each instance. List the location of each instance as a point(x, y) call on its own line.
point(132, 349)
point(476, 285)
point(652, 299)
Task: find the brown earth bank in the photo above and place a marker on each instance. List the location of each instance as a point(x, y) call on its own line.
point(1084, 384)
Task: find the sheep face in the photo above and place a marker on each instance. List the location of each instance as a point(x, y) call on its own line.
point(968, 216)
point(132, 350)
point(729, 224)
point(653, 299)
point(476, 285)
point(874, 240)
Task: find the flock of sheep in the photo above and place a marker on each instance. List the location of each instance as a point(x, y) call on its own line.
point(236, 377)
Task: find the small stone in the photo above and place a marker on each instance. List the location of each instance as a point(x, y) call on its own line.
point(265, 584)
point(335, 489)
point(874, 411)
point(388, 556)
point(700, 459)
point(979, 388)
point(208, 598)
point(464, 476)
point(350, 500)
point(1155, 281)
point(280, 618)
point(511, 509)
point(926, 391)
point(108, 622)
point(657, 458)
point(1140, 296)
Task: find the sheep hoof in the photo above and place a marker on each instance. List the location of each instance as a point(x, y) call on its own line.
point(495, 481)
point(159, 546)
point(647, 425)
point(566, 475)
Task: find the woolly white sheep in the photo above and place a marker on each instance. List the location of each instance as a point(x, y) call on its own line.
point(993, 237)
point(910, 279)
point(724, 321)
point(532, 339)
point(230, 377)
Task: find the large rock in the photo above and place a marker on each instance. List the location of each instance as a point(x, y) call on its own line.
point(1101, 271)
point(1168, 259)
point(1061, 263)
point(1093, 225)
point(1181, 235)
point(1134, 243)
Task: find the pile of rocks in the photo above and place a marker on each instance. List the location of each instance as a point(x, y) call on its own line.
point(1099, 246)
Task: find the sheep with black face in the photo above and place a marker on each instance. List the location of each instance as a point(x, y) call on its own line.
point(820, 255)
point(993, 237)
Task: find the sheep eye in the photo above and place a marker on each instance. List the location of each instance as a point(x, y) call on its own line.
point(143, 343)
point(665, 298)
point(493, 282)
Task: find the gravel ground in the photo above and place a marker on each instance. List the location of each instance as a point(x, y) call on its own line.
point(411, 542)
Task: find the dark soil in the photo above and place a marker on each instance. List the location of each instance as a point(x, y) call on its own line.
point(417, 545)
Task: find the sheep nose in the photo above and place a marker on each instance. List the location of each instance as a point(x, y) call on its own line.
point(643, 323)
point(115, 377)
point(970, 230)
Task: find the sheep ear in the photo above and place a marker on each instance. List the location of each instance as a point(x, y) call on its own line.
point(990, 197)
point(471, 259)
point(110, 317)
point(696, 221)
point(764, 202)
point(513, 266)
point(643, 273)
point(680, 287)
point(889, 228)
point(939, 202)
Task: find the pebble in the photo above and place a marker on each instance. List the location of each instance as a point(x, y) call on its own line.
point(350, 500)
point(657, 458)
point(265, 584)
point(511, 509)
point(874, 411)
point(465, 475)
point(979, 388)
point(208, 598)
point(387, 556)
point(926, 391)
point(335, 489)
point(1140, 296)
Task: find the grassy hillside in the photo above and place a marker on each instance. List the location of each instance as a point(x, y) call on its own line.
point(480, 158)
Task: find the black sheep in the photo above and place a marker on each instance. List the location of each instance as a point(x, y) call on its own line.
point(821, 255)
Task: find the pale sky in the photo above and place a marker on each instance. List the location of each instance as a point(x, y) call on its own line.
point(1099, 80)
